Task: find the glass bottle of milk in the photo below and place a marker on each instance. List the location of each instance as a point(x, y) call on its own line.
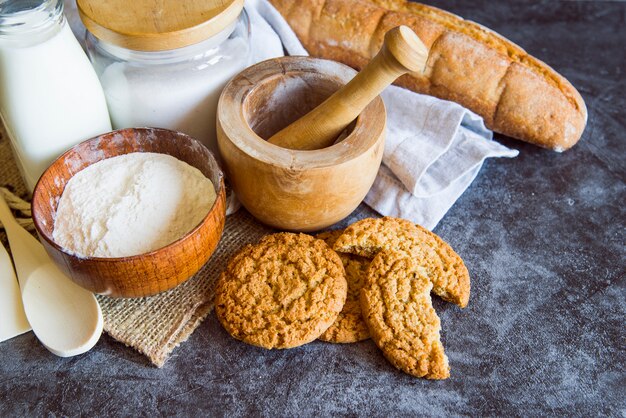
point(50, 96)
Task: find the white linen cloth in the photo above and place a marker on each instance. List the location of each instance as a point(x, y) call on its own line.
point(434, 148)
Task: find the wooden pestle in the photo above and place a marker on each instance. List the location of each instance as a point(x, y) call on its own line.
point(402, 52)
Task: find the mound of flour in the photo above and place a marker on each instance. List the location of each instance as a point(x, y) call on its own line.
point(131, 204)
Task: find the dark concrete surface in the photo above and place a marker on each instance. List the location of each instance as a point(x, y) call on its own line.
point(543, 237)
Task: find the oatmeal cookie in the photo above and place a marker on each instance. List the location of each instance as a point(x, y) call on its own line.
point(349, 326)
point(444, 266)
point(283, 292)
point(398, 310)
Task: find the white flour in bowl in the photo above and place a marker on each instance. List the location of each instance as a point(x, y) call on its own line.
point(131, 204)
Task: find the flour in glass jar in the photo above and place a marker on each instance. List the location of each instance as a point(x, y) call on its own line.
point(131, 204)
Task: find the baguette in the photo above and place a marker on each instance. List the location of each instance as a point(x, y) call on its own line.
point(516, 94)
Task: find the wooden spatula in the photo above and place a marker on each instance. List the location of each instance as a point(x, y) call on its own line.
point(13, 320)
point(402, 52)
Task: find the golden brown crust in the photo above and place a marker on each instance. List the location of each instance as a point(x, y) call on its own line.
point(444, 267)
point(517, 94)
point(349, 326)
point(398, 310)
point(283, 292)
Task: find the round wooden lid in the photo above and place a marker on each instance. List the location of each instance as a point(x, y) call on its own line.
point(157, 25)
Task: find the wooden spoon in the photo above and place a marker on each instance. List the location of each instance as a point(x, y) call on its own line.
point(402, 52)
point(65, 317)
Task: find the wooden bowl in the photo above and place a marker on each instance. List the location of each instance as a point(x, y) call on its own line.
point(290, 189)
point(144, 274)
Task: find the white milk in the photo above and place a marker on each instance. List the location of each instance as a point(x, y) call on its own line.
point(50, 99)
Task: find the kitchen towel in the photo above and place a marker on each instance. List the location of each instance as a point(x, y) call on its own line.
point(434, 148)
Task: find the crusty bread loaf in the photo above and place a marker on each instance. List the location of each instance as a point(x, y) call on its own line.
point(516, 94)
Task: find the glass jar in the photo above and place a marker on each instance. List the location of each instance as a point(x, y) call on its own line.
point(174, 88)
point(50, 96)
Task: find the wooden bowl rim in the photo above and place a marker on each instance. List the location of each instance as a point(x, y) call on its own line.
point(219, 190)
point(237, 90)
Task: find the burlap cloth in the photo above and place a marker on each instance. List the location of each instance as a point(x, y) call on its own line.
point(155, 325)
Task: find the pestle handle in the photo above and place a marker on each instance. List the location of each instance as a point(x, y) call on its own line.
point(402, 52)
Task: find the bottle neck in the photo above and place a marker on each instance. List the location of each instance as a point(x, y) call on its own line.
point(27, 22)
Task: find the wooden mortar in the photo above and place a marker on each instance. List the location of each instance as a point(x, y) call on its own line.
point(292, 189)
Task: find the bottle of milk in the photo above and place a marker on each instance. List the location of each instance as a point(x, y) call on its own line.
point(50, 96)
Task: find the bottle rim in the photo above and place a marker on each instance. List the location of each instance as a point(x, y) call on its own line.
point(28, 18)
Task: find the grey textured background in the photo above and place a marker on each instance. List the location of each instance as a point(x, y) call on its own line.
point(543, 238)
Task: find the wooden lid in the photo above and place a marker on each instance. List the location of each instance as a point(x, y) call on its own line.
point(157, 25)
